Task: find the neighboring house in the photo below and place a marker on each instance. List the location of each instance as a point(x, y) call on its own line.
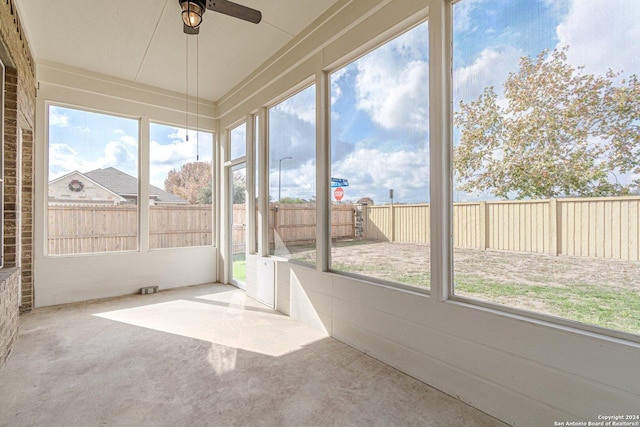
point(365, 201)
point(105, 186)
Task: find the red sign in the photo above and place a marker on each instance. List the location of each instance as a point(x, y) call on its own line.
point(338, 193)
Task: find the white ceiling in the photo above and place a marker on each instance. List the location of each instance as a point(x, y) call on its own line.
point(142, 40)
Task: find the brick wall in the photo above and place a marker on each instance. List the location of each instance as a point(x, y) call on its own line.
point(26, 264)
point(19, 116)
point(12, 163)
point(19, 55)
point(9, 283)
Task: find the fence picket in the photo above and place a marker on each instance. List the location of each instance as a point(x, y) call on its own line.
point(596, 227)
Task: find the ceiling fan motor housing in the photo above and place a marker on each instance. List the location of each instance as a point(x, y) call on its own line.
point(192, 11)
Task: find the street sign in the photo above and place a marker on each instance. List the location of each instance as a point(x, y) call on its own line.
point(338, 193)
point(339, 182)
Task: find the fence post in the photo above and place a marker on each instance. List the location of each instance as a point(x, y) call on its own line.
point(553, 227)
point(484, 226)
point(392, 220)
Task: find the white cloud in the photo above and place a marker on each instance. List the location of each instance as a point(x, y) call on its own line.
point(171, 153)
point(299, 182)
point(602, 35)
point(463, 15)
point(372, 172)
point(336, 89)
point(490, 68)
point(392, 84)
point(120, 154)
point(165, 157)
point(302, 105)
point(394, 98)
point(57, 118)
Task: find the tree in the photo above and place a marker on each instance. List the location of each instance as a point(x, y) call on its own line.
point(293, 201)
point(561, 133)
point(205, 195)
point(239, 188)
point(189, 181)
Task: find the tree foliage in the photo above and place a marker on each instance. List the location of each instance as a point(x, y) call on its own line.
point(295, 201)
point(561, 132)
point(239, 188)
point(205, 195)
point(190, 181)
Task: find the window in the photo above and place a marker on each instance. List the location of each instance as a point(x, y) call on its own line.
point(180, 191)
point(93, 182)
point(380, 163)
point(292, 177)
point(546, 159)
point(239, 221)
point(238, 142)
point(256, 162)
point(238, 175)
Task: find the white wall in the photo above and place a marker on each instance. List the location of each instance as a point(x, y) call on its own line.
point(64, 279)
point(521, 370)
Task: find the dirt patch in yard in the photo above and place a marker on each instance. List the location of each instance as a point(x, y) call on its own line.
point(499, 266)
point(597, 291)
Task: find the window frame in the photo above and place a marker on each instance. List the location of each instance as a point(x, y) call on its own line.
point(48, 103)
point(228, 166)
point(265, 126)
point(214, 232)
point(375, 43)
point(442, 100)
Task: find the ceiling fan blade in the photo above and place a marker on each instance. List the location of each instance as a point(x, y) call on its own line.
point(236, 10)
point(188, 30)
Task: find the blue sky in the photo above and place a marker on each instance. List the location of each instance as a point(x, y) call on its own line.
point(170, 150)
point(84, 141)
point(491, 36)
point(380, 102)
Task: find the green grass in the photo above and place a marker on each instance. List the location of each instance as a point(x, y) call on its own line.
point(384, 272)
point(239, 268)
point(422, 280)
point(608, 307)
point(615, 308)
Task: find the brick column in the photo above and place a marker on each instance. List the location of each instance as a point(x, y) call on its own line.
point(11, 170)
point(9, 278)
point(26, 264)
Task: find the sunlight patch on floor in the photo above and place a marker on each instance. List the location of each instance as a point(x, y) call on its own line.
point(229, 319)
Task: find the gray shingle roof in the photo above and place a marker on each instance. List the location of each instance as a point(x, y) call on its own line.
point(126, 185)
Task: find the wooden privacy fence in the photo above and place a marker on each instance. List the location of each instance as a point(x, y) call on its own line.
point(294, 224)
point(85, 229)
point(99, 228)
point(604, 227)
point(607, 227)
point(180, 226)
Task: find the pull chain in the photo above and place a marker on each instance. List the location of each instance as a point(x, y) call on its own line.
point(197, 99)
point(186, 92)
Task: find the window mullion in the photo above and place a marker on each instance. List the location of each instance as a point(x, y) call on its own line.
point(440, 124)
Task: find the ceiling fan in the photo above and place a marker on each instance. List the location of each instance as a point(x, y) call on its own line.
point(192, 11)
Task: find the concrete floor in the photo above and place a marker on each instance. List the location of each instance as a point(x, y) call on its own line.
point(204, 355)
